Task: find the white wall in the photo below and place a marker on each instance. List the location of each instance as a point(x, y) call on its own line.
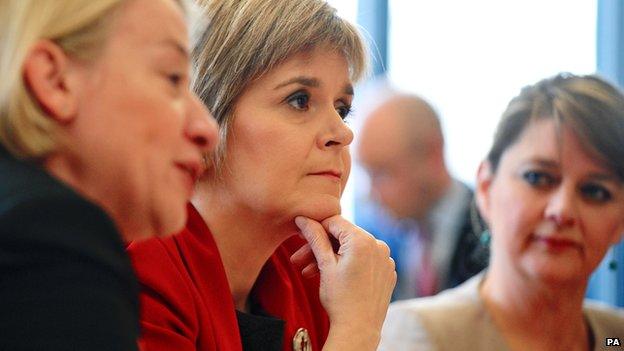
point(469, 58)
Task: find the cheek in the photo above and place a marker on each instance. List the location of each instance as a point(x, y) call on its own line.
point(264, 168)
point(346, 161)
point(512, 213)
point(602, 228)
point(167, 119)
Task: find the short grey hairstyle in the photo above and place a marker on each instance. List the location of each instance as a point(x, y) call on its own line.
point(245, 39)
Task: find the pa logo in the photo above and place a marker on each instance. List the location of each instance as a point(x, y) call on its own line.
point(613, 342)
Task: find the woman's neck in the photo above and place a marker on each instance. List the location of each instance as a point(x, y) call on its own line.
point(245, 240)
point(70, 170)
point(532, 315)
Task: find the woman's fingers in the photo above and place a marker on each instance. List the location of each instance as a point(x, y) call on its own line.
point(310, 270)
point(384, 248)
point(303, 257)
point(355, 290)
point(318, 240)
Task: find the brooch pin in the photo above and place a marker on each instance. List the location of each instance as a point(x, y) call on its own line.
point(301, 340)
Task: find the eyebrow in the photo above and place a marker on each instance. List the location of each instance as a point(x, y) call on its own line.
point(348, 89)
point(603, 177)
point(181, 49)
point(543, 162)
point(311, 83)
point(305, 81)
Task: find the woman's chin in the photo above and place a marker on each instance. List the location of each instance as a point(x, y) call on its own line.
point(555, 274)
point(318, 207)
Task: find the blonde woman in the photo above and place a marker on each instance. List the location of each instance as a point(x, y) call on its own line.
point(100, 143)
point(278, 76)
point(552, 193)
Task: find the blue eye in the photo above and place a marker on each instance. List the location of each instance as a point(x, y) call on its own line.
point(539, 179)
point(595, 193)
point(299, 100)
point(344, 111)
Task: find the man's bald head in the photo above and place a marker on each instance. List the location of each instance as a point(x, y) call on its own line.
point(402, 147)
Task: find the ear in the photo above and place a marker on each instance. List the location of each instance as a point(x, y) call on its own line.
point(47, 74)
point(485, 177)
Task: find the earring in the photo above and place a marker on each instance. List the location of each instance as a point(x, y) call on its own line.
point(485, 238)
point(613, 260)
point(478, 227)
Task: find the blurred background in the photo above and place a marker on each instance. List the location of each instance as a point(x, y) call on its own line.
point(468, 59)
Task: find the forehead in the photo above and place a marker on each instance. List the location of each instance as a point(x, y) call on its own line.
point(141, 23)
point(543, 139)
point(329, 66)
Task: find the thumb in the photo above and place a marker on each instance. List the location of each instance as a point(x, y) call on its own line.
point(319, 242)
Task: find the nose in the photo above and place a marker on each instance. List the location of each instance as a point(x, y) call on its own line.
point(561, 207)
point(337, 134)
point(201, 127)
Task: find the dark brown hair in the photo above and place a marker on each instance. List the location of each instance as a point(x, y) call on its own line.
point(589, 105)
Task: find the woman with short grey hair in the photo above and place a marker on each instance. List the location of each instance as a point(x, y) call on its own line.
point(278, 76)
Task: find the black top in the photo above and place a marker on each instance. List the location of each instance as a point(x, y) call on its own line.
point(471, 255)
point(260, 331)
point(65, 280)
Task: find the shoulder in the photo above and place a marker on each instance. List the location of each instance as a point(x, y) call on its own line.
point(605, 320)
point(168, 299)
point(160, 269)
point(22, 180)
point(44, 219)
point(450, 307)
point(64, 252)
point(426, 323)
point(176, 263)
point(185, 297)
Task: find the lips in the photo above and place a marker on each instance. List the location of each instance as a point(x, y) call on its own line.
point(331, 173)
point(558, 243)
point(192, 168)
point(546, 234)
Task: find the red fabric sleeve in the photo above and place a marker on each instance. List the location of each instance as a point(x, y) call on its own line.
point(168, 318)
point(283, 292)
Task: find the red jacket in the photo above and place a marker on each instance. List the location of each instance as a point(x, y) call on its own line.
point(186, 303)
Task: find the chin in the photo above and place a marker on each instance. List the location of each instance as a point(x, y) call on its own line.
point(318, 207)
point(555, 273)
point(170, 222)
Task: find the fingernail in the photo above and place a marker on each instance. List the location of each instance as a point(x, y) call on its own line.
point(301, 222)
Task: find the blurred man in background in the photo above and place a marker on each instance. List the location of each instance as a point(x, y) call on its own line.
point(401, 146)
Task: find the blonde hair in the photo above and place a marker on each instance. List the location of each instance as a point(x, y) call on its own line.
point(77, 26)
point(245, 39)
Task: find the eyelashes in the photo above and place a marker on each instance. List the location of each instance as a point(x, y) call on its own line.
point(300, 101)
point(590, 191)
point(344, 111)
point(596, 192)
point(538, 179)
